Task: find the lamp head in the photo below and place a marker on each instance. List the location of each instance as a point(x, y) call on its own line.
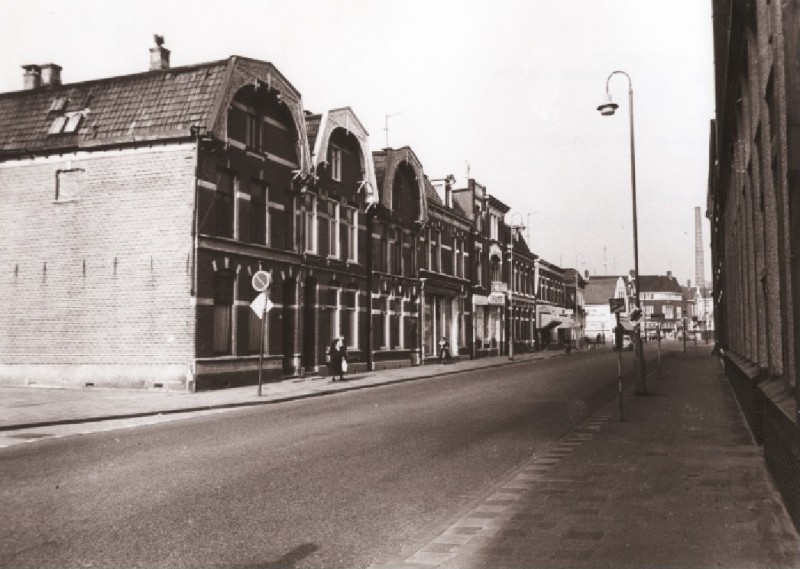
point(608, 108)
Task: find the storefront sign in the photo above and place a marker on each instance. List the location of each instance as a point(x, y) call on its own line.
point(497, 299)
point(499, 286)
point(480, 300)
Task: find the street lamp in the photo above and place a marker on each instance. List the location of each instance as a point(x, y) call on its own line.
point(607, 109)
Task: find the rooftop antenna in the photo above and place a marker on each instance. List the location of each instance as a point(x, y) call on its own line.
point(386, 125)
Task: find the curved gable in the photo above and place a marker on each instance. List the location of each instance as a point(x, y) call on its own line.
point(393, 161)
point(346, 119)
point(242, 72)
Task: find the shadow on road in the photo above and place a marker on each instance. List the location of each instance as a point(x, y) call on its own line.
point(286, 561)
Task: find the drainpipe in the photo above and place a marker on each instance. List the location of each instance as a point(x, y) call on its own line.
point(370, 284)
point(195, 131)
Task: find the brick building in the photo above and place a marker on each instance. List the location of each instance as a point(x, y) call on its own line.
point(662, 295)
point(754, 182)
point(158, 195)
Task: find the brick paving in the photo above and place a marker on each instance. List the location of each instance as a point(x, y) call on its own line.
point(680, 483)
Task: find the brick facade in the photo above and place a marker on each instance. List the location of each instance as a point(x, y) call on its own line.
point(137, 209)
point(97, 281)
point(754, 184)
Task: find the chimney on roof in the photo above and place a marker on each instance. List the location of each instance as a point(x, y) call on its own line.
point(159, 55)
point(669, 273)
point(586, 273)
point(448, 190)
point(688, 283)
point(32, 78)
point(51, 75)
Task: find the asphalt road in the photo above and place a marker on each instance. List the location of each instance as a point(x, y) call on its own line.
point(345, 480)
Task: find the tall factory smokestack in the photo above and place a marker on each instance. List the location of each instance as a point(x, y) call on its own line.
point(699, 265)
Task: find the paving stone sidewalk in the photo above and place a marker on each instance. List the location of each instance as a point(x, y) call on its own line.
point(29, 407)
point(680, 483)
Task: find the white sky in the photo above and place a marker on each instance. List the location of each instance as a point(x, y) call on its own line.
point(508, 86)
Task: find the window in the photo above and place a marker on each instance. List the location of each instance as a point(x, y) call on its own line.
point(68, 184)
point(436, 250)
point(395, 307)
point(668, 311)
point(252, 133)
point(58, 104)
point(678, 312)
point(350, 318)
point(397, 251)
point(224, 203)
point(495, 269)
point(458, 259)
point(494, 227)
point(648, 310)
point(336, 163)
point(350, 233)
point(334, 247)
point(311, 223)
point(73, 122)
point(478, 267)
point(259, 207)
point(67, 123)
point(223, 312)
point(335, 302)
point(58, 125)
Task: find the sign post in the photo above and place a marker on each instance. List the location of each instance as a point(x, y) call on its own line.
point(261, 305)
point(617, 305)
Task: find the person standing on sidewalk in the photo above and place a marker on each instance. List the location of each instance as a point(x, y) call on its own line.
point(338, 352)
point(444, 350)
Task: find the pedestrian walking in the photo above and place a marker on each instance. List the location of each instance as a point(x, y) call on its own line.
point(567, 345)
point(444, 350)
point(338, 355)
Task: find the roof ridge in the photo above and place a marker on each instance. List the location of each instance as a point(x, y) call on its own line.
point(130, 76)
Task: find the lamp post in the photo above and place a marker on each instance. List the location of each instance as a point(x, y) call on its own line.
point(607, 109)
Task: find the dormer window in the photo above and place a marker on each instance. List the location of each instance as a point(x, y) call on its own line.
point(73, 122)
point(58, 125)
point(58, 105)
point(66, 123)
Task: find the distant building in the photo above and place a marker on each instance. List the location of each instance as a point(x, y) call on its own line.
point(599, 319)
point(662, 305)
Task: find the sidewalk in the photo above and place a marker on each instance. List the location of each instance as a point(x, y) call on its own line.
point(29, 407)
point(679, 483)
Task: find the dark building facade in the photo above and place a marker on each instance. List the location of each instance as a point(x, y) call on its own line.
point(754, 184)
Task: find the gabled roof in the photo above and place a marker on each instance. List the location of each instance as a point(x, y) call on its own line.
point(431, 193)
point(659, 283)
point(599, 289)
point(145, 106)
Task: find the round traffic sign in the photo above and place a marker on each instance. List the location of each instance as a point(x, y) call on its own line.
point(261, 280)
